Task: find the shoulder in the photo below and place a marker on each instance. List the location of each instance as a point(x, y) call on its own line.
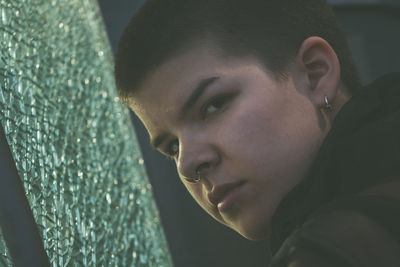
point(352, 231)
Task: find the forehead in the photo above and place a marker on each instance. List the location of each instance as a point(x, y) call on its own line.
point(160, 97)
point(172, 80)
point(190, 63)
point(196, 60)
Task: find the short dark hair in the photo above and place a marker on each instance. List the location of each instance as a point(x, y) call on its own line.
point(271, 30)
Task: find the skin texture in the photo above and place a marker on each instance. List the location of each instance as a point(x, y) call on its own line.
point(247, 127)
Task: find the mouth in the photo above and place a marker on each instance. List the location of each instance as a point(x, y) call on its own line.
point(224, 196)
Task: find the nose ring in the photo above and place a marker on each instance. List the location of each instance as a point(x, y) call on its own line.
point(198, 177)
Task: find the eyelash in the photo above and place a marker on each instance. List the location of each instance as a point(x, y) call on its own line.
point(220, 100)
point(171, 154)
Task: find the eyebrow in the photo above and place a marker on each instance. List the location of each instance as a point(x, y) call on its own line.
point(196, 93)
point(191, 100)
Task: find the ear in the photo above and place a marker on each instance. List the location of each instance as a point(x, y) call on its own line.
point(320, 65)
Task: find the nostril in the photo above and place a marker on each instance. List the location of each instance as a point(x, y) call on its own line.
point(203, 167)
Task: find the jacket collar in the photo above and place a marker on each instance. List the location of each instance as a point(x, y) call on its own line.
point(333, 172)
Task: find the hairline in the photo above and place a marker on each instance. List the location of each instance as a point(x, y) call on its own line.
point(196, 41)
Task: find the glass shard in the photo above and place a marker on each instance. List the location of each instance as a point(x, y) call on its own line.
point(72, 140)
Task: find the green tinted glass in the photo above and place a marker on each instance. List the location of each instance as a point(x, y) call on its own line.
point(71, 138)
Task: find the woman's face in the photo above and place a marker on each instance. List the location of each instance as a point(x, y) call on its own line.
point(251, 136)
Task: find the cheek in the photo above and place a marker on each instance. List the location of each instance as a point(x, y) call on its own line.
point(193, 189)
point(245, 130)
point(198, 192)
point(271, 138)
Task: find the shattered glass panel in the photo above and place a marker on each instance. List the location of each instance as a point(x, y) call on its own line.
point(72, 139)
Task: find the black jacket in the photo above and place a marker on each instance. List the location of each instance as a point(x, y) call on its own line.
point(346, 212)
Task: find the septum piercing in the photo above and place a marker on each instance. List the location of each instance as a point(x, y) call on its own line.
point(198, 178)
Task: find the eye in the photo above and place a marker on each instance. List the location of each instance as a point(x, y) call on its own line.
point(173, 148)
point(215, 105)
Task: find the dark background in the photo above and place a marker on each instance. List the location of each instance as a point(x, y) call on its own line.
point(194, 238)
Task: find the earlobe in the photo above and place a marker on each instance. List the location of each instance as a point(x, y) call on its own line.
point(321, 68)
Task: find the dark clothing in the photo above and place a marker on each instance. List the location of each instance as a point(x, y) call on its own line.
point(346, 212)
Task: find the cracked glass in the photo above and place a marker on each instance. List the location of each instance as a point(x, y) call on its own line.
point(72, 140)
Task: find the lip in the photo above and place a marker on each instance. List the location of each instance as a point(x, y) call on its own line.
point(223, 196)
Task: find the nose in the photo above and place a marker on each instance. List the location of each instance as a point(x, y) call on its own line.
point(196, 155)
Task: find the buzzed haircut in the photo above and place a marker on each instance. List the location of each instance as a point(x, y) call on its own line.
point(270, 30)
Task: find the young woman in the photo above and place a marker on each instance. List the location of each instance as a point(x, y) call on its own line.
point(259, 104)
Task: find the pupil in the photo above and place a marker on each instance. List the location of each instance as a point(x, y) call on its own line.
point(212, 108)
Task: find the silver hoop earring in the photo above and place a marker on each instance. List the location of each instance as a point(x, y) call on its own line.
point(198, 178)
point(327, 105)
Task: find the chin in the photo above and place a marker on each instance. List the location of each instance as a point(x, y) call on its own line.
point(255, 235)
point(255, 223)
point(252, 222)
point(255, 232)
